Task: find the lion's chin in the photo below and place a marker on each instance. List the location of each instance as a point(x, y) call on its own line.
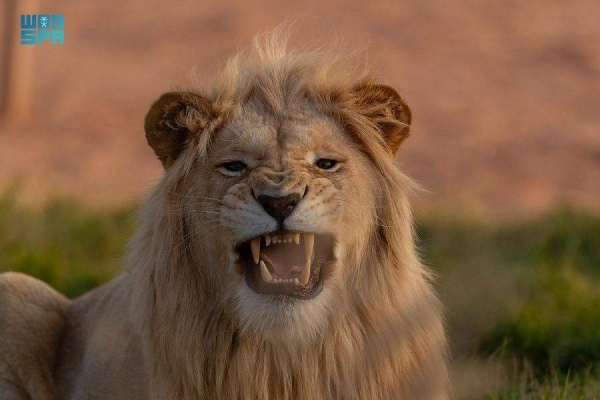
point(286, 265)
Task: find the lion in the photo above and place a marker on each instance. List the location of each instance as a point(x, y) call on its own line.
point(275, 259)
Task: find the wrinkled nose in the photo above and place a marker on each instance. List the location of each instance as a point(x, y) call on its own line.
point(279, 207)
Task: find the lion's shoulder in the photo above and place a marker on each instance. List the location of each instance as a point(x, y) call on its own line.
point(32, 317)
point(31, 292)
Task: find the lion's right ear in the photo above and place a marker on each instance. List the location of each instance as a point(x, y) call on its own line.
point(172, 121)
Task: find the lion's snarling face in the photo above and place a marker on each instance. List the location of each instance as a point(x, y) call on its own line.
point(276, 257)
point(282, 204)
point(281, 199)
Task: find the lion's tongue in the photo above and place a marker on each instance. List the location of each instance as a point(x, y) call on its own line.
point(284, 261)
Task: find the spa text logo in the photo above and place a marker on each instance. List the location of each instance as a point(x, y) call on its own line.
point(35, 29)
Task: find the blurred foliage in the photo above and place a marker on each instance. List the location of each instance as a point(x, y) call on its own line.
point(550, 317)
point(557, 326)
point(64, 244)
point(558, 329)
point(527, 291)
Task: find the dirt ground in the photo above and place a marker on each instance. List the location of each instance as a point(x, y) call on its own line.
point(504, 94)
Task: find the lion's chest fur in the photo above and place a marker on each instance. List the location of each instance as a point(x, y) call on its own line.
point(102, 357)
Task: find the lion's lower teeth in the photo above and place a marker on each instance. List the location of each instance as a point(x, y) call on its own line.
point(309, 245)
point(268, 278)
point(264, 273)
point(279, 281)
point(305, 274)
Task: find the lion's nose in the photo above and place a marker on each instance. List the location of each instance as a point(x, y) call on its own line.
point(279, 207)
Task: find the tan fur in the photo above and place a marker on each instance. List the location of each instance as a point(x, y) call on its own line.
point(181, 323)
point(32, 317)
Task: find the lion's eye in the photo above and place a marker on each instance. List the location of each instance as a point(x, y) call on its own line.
point(326, 163)
point(234, 166)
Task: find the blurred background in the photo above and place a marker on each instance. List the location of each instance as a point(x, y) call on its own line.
point(506, 139)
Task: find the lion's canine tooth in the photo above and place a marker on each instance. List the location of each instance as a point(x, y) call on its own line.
point(305, 274)
point(297, 238)
point(264, 273)
point(255, 245)
point(309, 245)
point(267, 240)
point(296, 281)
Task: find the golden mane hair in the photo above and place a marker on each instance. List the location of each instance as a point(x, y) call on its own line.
point(386, 339)
point(185, 321)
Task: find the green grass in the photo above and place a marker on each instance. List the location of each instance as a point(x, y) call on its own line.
point(526, 291)
point(525, 385)
point(527, 294)
point(65, 245)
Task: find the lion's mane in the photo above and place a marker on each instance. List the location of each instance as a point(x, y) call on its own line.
point(386, 339)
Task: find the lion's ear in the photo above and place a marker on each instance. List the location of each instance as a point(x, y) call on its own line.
point(171, 122)
point(387, 110)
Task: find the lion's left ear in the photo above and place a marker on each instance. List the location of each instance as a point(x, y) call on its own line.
point(172, 120)
point(387, 110)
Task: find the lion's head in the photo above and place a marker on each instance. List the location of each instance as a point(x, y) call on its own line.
point(279, 176)
point(282, 219)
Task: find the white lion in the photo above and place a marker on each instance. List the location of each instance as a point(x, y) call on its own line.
point(275, 258)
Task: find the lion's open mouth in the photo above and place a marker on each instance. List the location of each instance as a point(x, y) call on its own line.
point(291, 264)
